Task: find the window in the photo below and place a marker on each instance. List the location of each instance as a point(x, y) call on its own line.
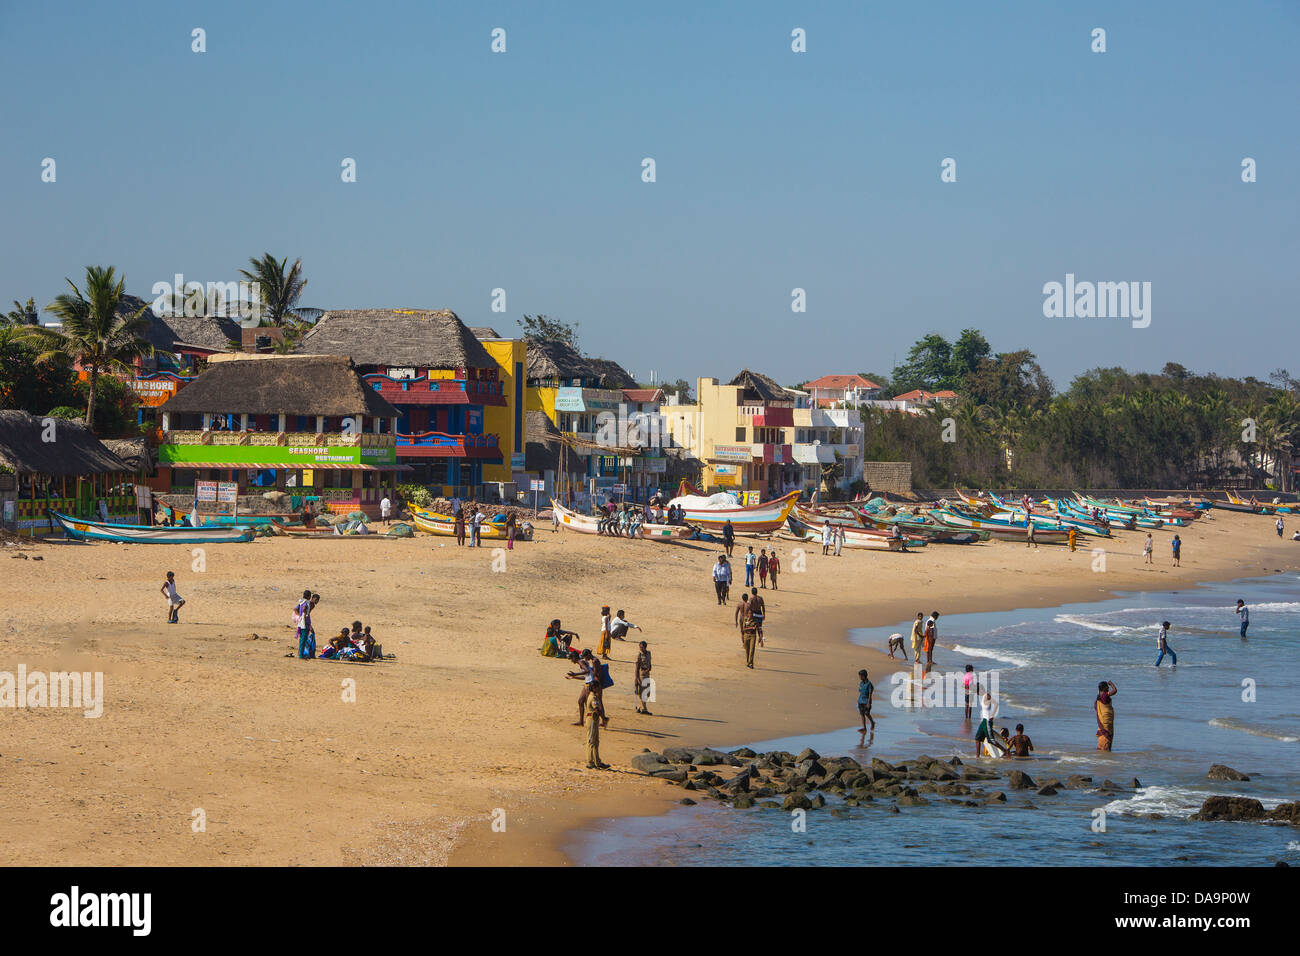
point(740, 434)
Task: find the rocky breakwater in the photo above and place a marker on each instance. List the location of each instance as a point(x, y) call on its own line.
point(782, 780)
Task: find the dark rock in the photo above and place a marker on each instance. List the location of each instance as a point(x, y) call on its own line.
point(970, 773)
point(1047, 791)
point(675, 776)
point(797, 801)
point(689, 785)
point(679, 754)
point(1220, 772)
point(686, 802)
point(770, 805)
point(909, 801)
point(1076, 782)
point(1286, 813)
point(840, 812)
point(1110, 785)
point(649, 762)
point(878, 764)
point(743, 802)
point(807, 754)
point(744, 752)
point(737, 784)
point(1019, 780)
point(812, 768)
point(955, 762)
point(998, 797)
point(1230, 808)
point(817, 801)
point(1135, 783)
point(893, 808)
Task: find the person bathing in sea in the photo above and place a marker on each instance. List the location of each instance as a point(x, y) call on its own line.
point(1243, 612)
point(865, 690)
point(1020, 744)
point(966, 681)
point(1105, 715)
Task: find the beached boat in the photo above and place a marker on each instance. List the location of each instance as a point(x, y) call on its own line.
point(809, 530)
point(745, 519)
point(998, 528)
point(325, 531)
point(923, 528)
point(83, 529)
point(430, 522)
point(588, 524)
point(250, 520)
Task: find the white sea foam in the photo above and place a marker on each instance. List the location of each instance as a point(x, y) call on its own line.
point(1171, 801)
point(1002, 656)
point(1232, 723)
point(1014, 704)
point(1093, 625)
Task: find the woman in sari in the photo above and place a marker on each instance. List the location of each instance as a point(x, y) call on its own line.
point(1105, 715)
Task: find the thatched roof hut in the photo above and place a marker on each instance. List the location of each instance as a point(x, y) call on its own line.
point(171, 333)
point(557, 360)
point(273, 384)
point(612, 375)
point(544, 447)
point(484, 332)
point(136, 453)
point(405, 338)
point(74, 451)
point(766, 388)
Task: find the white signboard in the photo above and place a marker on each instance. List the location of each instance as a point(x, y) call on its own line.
point(205, 490)
point(228, 492)
point(536, 484)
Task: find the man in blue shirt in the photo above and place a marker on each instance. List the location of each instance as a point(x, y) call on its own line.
point(865, 690)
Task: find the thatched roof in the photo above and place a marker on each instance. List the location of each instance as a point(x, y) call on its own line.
point(292, 384)
point(557, 360)
point(406, 338)
point(766, 388)
point(484, 332)
point(544, 445)
point(74, 451)
point(136, 453)
point(612, 375)
point(166, 332)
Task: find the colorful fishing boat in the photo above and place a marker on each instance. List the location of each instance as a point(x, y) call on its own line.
point(250, 520)
point(431, 522)
point(810, 530)
point(83, 529)
point(588, 524)
point(998, 528)
point(763, 518)
point(922, 527)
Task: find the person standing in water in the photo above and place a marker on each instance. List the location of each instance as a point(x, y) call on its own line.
point(1105, 715)
point(918, 629)
point(988, 710)
point(1162, 642)
point(1243, 612)
point(865, 690)
point(931, 636)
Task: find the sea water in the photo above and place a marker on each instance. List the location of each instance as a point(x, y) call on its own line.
point(1229, 701)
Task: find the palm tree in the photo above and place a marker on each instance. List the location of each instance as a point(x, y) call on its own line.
point(96, 333)
point(22, 314)
point(279, 286)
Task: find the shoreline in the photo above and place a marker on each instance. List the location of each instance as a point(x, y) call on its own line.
point(550, 835)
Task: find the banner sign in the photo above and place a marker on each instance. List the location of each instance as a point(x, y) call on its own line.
point(536, 484)
point(733, 452)
point(228, 491)
point(205, 490)
point(176, 456)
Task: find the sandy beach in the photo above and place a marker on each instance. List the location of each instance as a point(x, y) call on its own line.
point(202, 723)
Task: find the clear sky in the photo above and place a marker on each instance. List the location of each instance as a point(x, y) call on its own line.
point(775, 170)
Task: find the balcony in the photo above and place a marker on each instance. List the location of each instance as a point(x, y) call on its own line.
point(777, 454)
point(438, 391)
point(442, 445)
point(766, 416)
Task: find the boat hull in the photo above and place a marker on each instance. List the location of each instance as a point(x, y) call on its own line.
point(750, 519)
point(82, 529)
point(586, 524)
point(430, 522)
point(858, 538)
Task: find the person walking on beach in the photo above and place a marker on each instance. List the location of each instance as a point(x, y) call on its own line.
point(750, 561)
point(1105, 715)
point(865, 690)
point(510, 531)
point(764, 563)
point(174, 601)
point(641, 680)
point(1162, 643)
point(918, 630)
point(586, 673)
point(721, 575)
point(748, 635)
point(728, 537)
point(1243, 612)
point(758, 611)
point(1177, 545)
point(1279, 527)
point(460, 524)
point(1070, 535)
point(826, 537)
point(385, 509)
point(741, 609)
point(1029, 532)
point(602, 645)
point(1147, 548)
point(773, 568)
point(595, 712)
point(476, 528)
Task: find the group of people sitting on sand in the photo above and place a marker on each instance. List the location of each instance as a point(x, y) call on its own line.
point(355, 644)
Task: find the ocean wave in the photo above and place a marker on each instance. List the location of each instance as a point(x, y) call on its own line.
point(1232, 723)
point(1092, 625)
point(1171, 801)
point(1014, 704)
point(1002, 656)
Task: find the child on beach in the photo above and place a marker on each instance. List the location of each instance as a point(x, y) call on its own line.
point(174, 601)
point(302, 621)
point(865, 690)
point(774, 568)
point(1020, 744)
point(1177, 545)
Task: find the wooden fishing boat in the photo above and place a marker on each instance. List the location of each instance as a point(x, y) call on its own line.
point(323, 532)
point(745, 519)
point(922, 528)
point(251, 520)
point(588, 524)
point(83, 529)
point(853, 537)
point(998, 529)
point(430, 522)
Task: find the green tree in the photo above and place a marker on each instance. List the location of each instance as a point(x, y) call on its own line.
point(22, 314)
point(928, 365)
point(279, 287)
point(968, 351)
point(98, 332)
point(543, 328)
point(33, 386)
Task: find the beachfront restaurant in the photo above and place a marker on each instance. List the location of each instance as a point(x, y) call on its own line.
point(56, 464)
point(307, 425)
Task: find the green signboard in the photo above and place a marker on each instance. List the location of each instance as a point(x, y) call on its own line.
point(280, 456)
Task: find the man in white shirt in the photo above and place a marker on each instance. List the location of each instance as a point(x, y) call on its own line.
point(385, 509)
point(988, 710)
point(476, 529)
point(618, 627)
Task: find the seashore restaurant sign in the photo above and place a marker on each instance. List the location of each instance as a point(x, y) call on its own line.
point(292, 456)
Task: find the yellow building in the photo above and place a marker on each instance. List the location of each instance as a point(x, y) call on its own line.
point(507, 421)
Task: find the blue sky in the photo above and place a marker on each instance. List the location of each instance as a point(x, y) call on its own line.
point(775, 170)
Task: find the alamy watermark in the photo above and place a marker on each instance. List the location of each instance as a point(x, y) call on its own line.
point(74, 689)
point(238, 300)
point(1100, 300)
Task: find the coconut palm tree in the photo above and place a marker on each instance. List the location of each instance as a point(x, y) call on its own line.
point(279, 287)
point(97, 332)
point(22, 314)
